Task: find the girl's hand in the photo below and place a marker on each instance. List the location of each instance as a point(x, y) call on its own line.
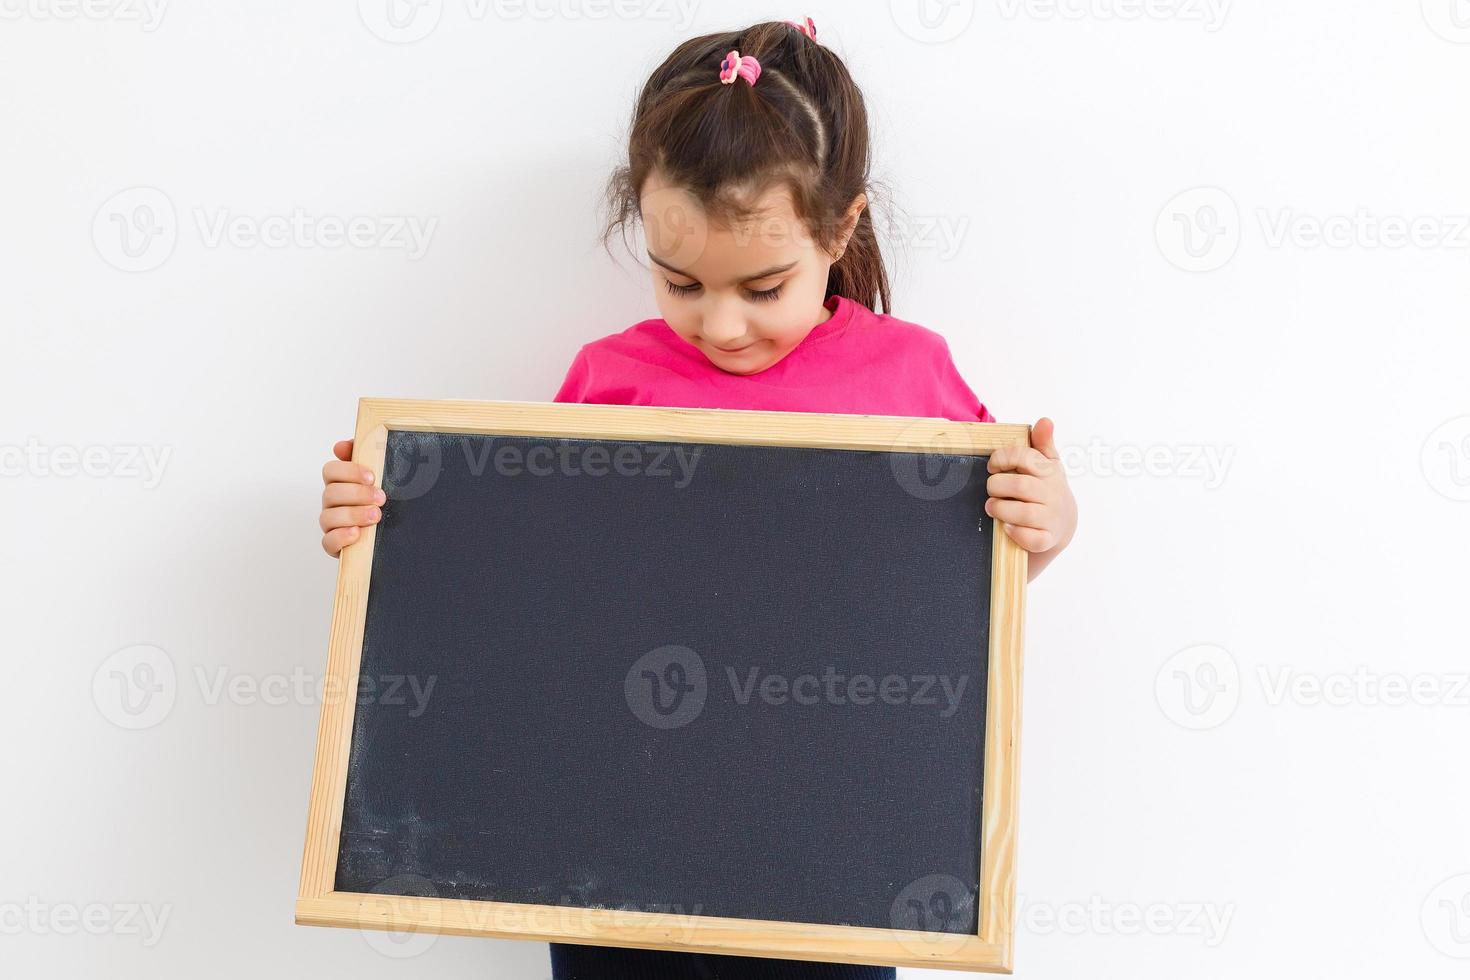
point(1028, 491)
point(350, 501)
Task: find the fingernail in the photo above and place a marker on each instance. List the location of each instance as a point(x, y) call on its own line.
point(380, 497)
point(374, 514)
point(367, 475)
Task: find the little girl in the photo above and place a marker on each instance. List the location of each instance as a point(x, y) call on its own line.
point(748, 168)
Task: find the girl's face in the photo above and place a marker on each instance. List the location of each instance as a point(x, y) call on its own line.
point(747, 295)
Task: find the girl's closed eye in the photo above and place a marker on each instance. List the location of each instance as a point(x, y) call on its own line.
point(756, 295)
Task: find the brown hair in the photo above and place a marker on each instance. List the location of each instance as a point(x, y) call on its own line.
point(803, 124)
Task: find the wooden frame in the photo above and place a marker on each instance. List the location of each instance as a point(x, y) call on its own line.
point(319, 903)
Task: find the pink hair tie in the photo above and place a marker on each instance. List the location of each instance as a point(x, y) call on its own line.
point(809, 28)
point(734, 67)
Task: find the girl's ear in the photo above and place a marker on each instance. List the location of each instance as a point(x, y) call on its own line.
point(849, 222)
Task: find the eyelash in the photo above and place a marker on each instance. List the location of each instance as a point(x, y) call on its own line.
point(761, 296)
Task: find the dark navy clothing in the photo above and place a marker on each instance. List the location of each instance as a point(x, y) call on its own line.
point(569, 962)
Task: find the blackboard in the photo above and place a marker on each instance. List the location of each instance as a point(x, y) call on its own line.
point(736, 681)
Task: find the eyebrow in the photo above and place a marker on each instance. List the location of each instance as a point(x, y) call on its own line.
point(774, 270)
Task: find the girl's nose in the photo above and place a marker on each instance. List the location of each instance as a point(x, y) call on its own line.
point(722, 330)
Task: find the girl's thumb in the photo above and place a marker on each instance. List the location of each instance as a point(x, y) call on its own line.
point(1043, 438)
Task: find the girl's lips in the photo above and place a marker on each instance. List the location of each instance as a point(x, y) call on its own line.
point(732, 350)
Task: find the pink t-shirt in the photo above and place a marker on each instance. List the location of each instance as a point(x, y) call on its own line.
point(857, 362)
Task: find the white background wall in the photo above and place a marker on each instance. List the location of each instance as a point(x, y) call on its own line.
point(1041, 154)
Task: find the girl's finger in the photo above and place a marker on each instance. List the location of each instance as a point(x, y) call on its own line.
point(334, 541)
point(1016, 512)
point(1033, 540)
point(339, 471)
point(335, 517)
point(343, 450)
point(1019, 459)
point(1016, 486)
point(349, 494)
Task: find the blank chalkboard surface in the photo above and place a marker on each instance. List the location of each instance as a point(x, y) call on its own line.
point(740, 681)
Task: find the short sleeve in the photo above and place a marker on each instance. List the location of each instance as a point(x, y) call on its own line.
point(578, 381)
point(958, 399)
